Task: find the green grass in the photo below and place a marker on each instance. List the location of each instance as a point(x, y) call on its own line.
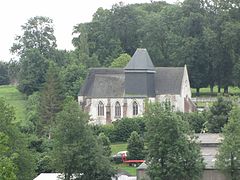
point(124, 167)
point(14, 98)
point(206, 91)
point(118, 147)
point(204, 104)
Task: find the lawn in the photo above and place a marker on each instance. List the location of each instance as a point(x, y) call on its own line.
point(125, 168)
point(206, 91)
point(13, 97)
point(116, 147)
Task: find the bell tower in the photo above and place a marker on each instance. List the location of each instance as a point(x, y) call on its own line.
point(140, 75)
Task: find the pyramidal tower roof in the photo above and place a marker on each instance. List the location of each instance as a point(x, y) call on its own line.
point(140, 61)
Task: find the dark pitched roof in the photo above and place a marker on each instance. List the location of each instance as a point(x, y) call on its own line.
point(168, 80)
point(110, 82)
point(140, 61)
point(104, 82)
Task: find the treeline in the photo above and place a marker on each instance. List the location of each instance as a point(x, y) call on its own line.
point(204, 34)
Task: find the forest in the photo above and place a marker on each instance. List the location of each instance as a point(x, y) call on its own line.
point(203, 34)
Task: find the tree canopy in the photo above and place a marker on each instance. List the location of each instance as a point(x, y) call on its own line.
point(172, 150)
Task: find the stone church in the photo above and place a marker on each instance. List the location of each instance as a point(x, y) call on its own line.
point(109, 94)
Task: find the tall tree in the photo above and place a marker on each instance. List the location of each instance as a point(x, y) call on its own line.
point(4, 78)
point(13, 71)
point(135, 146)
point(73, 76)
point(105, 142)
point(82, 47)
point(33, 66)
point(76, 151)
point(38, 33)
point(51, 99)
point(173, 151)
point(228, 158)
point(7, 167)
point(19, 160)
point(219, 114)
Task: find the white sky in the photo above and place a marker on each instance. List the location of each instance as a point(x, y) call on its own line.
point(65, 14)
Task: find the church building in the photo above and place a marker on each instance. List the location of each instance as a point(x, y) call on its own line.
point(109, 94)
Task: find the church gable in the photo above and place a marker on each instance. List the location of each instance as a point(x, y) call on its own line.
point(112, 93)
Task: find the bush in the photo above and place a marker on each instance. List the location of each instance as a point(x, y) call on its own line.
point(196, 121)
point(120, 130)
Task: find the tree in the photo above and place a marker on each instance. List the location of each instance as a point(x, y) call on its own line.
point(135, 146)
point(105, 142)
point(196, 120)
point(14, 152)
point(4, 79)
point(51, 99)
point(172, 150)
point(76, 150)
point(82, 47)
point(219, 114)
point(13, 71)
point(33, 67)
point(38, 33)
point(73, 76)
point(228, 158)
point(121, 61)
point(7, 167)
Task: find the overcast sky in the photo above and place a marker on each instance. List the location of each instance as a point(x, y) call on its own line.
point(65, 14)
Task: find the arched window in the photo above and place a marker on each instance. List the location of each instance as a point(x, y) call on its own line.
point(100, 109)
point(135, 108)
point(117, 109)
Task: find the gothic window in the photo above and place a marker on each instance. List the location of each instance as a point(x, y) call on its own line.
point(100, 109)
point(135, 108)
point(117, 109)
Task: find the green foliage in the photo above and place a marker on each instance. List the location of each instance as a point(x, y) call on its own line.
point(201, 34)
point(120, 130)
point(218, 115)
point(4, 78)
point(125, 126)
point(13, 71)
point(38, 33)
point(19, 159)
point(196, 121)
point(135, 146)
point(7, 167)
point(173, 151)
point(228, 158)
point(105, 142)
point(73, 76)
point(32, 72)
point(121, 61)
point(15, 99)
point(118, 147)
point(51, 99)
point(76, 150)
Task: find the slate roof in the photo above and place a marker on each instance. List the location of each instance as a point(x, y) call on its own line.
point(168, 80)
point(110, 82)
point(104, 82)
point(140, 61)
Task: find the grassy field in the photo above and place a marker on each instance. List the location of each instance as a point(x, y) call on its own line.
point(13, 97)
point(118, 147)
point(206, 91)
